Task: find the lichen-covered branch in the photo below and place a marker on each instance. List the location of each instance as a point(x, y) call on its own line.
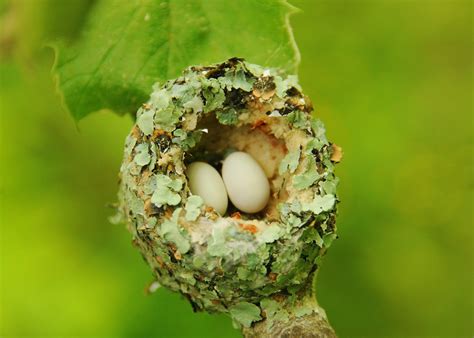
point(313, 325)
point(288, 316)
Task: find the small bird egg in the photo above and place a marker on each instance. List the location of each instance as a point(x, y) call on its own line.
point(206, 182)
point(246, 182)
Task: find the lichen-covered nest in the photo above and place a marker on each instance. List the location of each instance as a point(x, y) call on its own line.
point(229, 263)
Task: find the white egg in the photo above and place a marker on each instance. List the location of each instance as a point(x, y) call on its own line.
point(206, 182)
point(246, 182)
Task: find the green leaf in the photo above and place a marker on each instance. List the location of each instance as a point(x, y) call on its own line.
point(126, 46)
point(245, 313)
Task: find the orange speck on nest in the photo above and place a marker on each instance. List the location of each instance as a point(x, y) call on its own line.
point(277, 144)
point(160, 261)
point(279, 297)
point(256, 105)
point(168, 213)
point(258, 123)
point(146, 106)
point(178, 255)
point(158, 132)
point(211, 213)
point(136, 132)
point(250, 228)
point(263, 93)
point(336, 153)
point(272, 276)
point(236, 215)
point(148, 207)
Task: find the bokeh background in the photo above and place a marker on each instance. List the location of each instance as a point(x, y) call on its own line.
point(393, 82)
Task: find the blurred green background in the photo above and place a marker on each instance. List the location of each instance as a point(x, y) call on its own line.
point(391, 79)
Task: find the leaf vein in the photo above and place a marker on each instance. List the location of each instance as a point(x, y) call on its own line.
point(105, 56)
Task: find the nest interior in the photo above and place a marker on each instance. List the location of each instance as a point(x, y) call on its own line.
point(256, 140)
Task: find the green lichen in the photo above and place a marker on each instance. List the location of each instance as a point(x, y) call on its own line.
point(166, 191)
point(186, 140)
point(227, 116)
point(329, 186)
point(274, 312)
point(298, 119)
point(145, 121)
point(320, 204)
point(142, 157)
point(271, 233)
point(195, 104)
point(193, 207)
point(290, 162)
point(245, 313)
point(306, 179)
point(171, 232)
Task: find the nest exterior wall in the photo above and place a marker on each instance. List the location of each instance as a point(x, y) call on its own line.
point(238, 263)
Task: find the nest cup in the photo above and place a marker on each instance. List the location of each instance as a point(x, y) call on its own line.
point(222, 262)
